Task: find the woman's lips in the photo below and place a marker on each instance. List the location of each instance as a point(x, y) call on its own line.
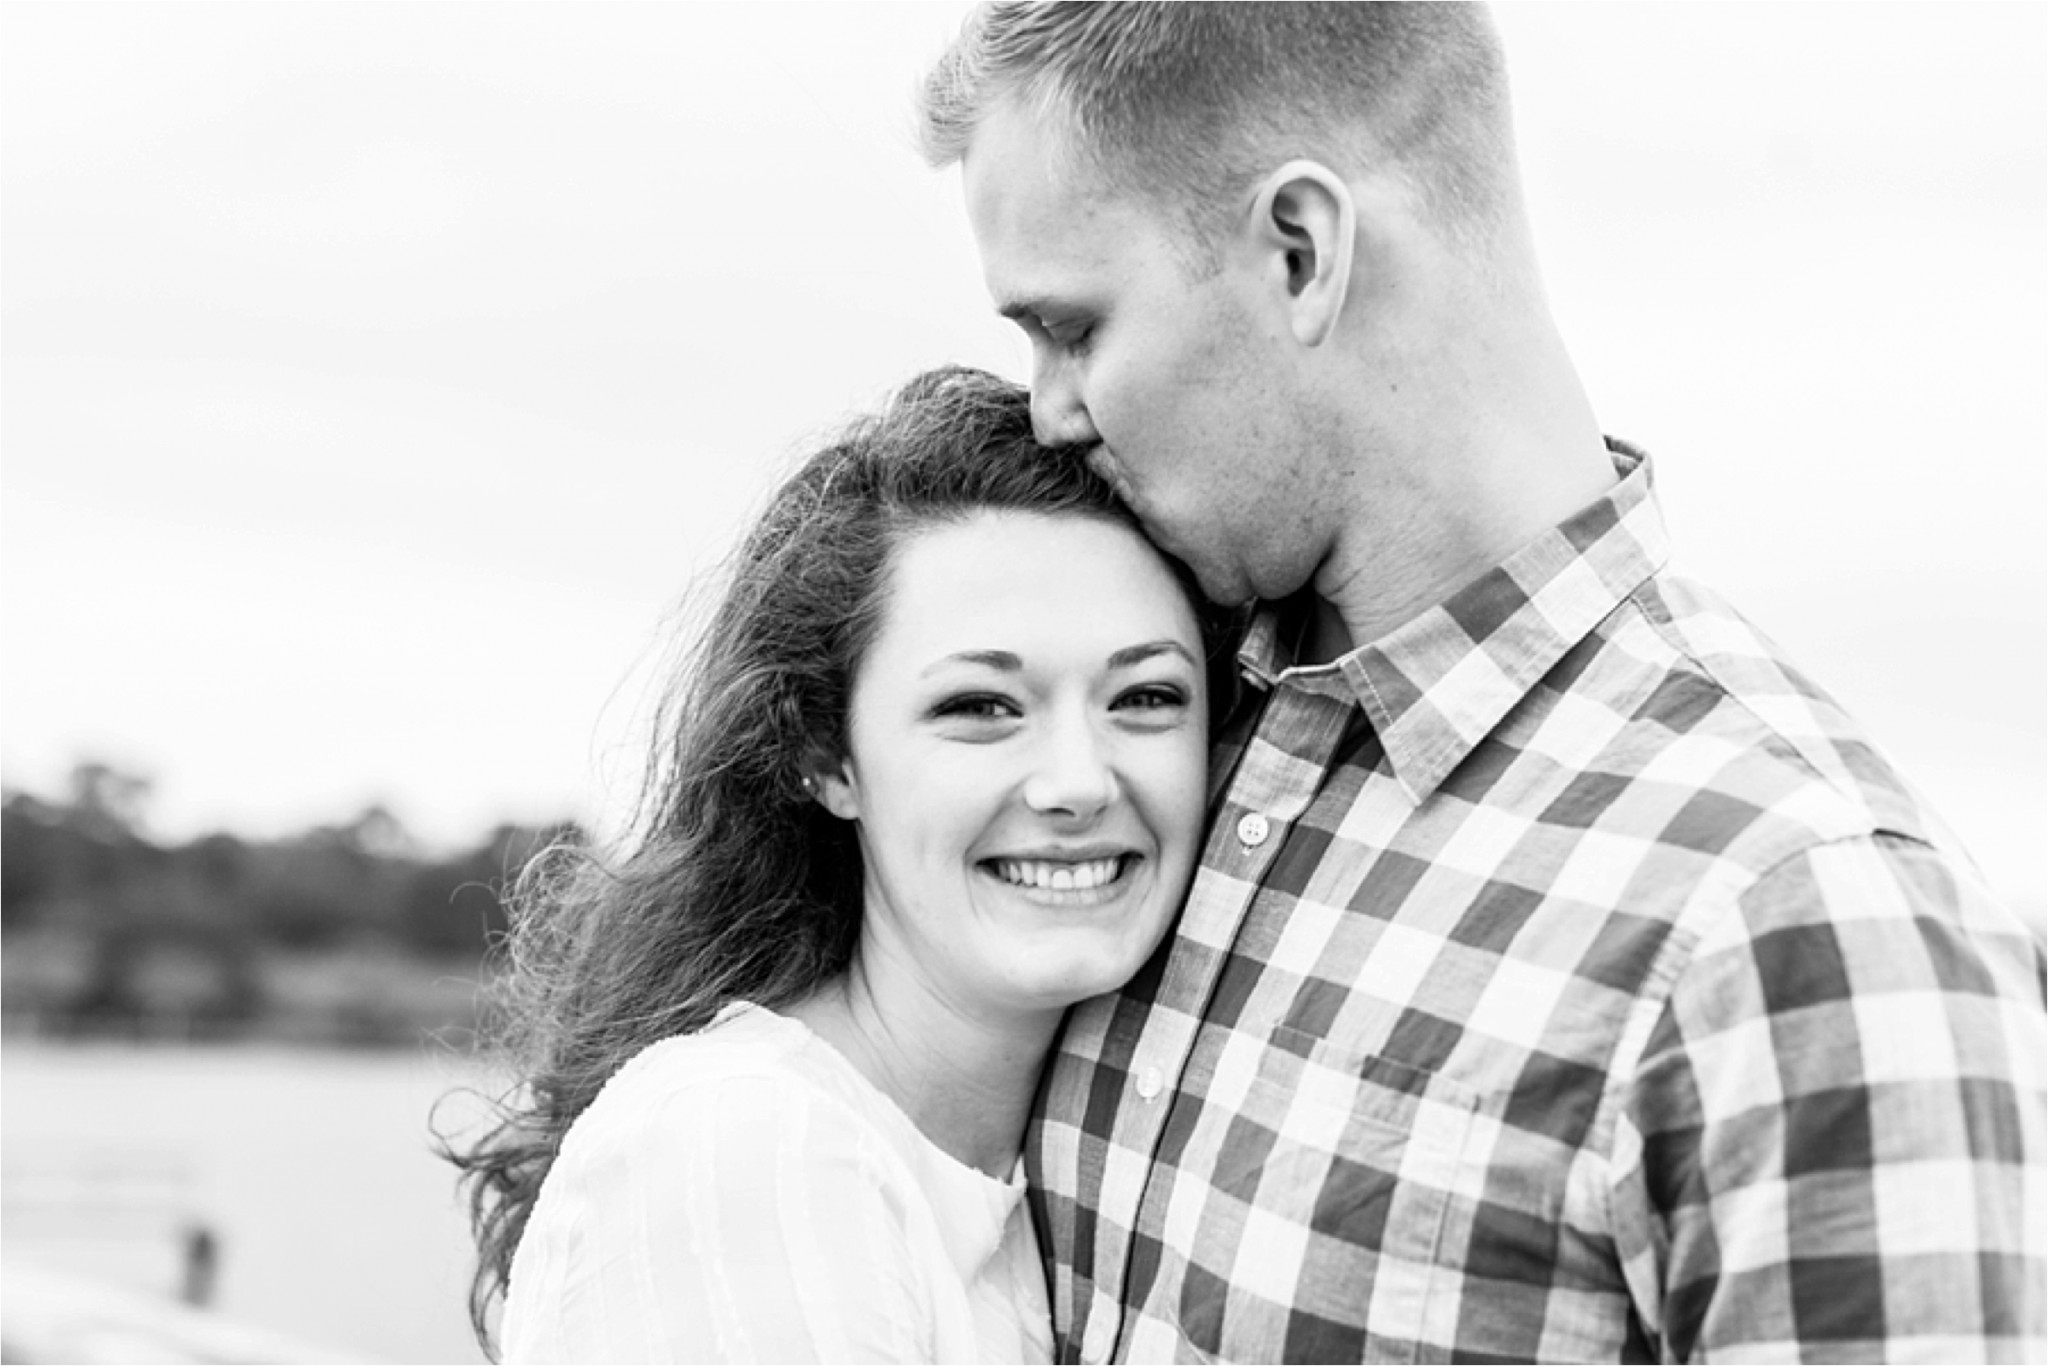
point(1060, 875)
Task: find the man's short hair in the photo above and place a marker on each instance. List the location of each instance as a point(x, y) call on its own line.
point(1189, 104)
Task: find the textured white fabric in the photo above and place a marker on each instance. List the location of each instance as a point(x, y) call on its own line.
point(743, 1194)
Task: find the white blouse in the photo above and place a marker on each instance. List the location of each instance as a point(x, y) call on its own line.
point(744, 1194)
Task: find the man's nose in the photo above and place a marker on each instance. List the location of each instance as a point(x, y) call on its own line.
point(1059, 417)
point(1072, 773)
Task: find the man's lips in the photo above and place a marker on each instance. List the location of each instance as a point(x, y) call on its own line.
point(1104, 464)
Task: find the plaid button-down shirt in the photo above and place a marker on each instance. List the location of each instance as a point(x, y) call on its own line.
point(1566, 978)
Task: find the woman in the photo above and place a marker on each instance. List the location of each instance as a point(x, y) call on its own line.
point(936, 774)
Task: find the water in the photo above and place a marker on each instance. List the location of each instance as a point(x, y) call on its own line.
point(313, 1171)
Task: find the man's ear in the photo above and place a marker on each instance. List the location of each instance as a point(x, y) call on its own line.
point(832, 784)
point(1306, 220)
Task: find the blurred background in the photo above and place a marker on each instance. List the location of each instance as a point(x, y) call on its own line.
point(377, 377)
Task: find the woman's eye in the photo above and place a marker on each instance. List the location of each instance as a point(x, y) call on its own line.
point(1153, 697)
point(976, 707)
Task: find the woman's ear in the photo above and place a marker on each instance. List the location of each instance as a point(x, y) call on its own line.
point(833, 786)
point(1305, 220)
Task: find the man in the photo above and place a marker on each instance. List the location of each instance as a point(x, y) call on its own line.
point(1567, 977)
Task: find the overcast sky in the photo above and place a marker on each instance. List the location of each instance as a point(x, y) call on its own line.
point(376, 376)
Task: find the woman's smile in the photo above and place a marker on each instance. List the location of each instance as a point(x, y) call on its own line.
point(1059, 876)
point(1067, 881)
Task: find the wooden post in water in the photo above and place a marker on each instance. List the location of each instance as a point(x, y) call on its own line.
point(199, 1265)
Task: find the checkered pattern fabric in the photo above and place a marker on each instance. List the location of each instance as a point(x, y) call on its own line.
point(1567, 978)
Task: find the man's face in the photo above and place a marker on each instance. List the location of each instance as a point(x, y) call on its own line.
point(1174, 379)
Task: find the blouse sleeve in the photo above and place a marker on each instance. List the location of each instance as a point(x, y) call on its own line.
point(747, 1219)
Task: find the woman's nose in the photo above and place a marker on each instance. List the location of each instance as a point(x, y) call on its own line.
point(1072, 773)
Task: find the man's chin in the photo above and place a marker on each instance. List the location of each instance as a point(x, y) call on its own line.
point(1231, 596)
point(1231, 591)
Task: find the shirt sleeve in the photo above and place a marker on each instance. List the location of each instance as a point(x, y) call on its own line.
point(1833, 1145)
point(745, 1220)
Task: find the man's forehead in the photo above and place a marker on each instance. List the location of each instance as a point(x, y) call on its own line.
point(1009, 163)
point(1040, 225)
point(1015, 206)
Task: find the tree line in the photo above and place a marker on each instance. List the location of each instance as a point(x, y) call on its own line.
point(342, 933)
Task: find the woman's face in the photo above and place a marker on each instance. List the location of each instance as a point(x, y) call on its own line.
point(1027, 739)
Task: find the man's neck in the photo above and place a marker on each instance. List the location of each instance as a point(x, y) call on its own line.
point(1469, 435)
point(1458, 506)
point(1391, 575)
point(1317, 630)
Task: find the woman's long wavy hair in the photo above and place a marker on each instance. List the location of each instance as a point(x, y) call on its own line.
point(732, 884)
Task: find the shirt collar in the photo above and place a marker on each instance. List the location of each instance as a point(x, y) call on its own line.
point(1438, 685)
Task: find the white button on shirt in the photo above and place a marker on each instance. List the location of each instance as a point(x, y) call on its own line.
point(1148, 1083)
point(1252, 829)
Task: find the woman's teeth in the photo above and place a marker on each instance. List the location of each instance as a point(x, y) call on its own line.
point(1058, 877)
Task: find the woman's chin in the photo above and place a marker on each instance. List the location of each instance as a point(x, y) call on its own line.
point(1058, 979)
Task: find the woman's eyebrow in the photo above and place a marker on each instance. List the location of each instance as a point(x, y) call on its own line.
point(1011, 663)
point(993, 659)
point(1138, 654)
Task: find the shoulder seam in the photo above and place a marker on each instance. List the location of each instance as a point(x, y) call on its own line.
point(1649, 604)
